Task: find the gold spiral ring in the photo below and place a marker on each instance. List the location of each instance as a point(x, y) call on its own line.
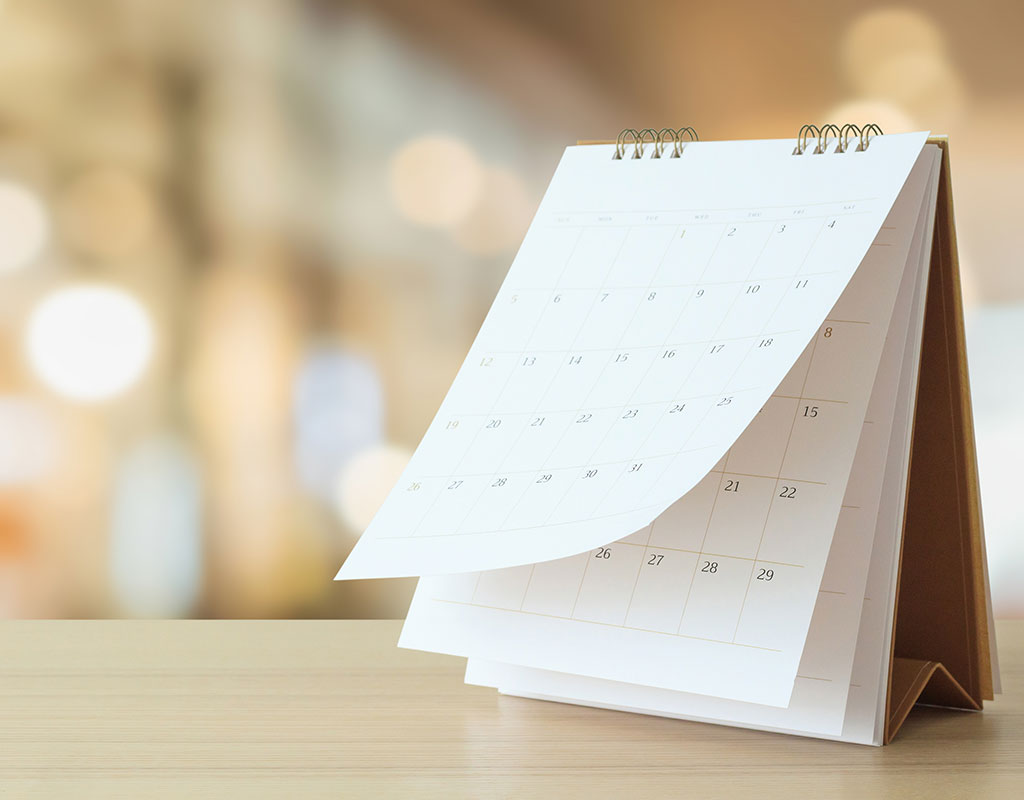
point(823, 137)
point(806, 131)
point(621, 141)
point(638, 149)
point(679, 139)
point(660, 146)
point(844, 136)
point(865, 134)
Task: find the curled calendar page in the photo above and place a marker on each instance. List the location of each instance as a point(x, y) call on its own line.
point(652, 311)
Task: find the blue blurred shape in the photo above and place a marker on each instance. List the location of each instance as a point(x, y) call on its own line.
point(339, 411)
point(156, 538)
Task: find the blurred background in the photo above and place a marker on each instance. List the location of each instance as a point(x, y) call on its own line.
point(245, 245)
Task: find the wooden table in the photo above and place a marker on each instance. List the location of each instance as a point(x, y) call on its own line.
point(334, 709)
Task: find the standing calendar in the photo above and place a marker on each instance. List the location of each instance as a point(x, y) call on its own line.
point(710, 455)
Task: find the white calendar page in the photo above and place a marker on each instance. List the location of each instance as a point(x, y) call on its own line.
point(826, 701)
point(654, 307)
point(716, 596)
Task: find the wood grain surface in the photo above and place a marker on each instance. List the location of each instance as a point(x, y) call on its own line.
point(310, 709)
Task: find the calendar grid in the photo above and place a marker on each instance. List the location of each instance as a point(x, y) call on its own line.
point(587, 301)
point(621, 461)
point(779, 302)
point(561, 469)
point(618, 344)
point(624, 543)
point(718, 327)
point(659, 402)
point(718, 490)
point(778, 480)
point(561, 366)
point(636, 581)
point(689, 592)
point(665, 343)
point(566, 350)
point(707, 529)
point(724, 471)
point(455, 528)
point(572, 252)
point(721, 321)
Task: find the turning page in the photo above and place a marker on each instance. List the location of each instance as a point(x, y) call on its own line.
point(654, 307)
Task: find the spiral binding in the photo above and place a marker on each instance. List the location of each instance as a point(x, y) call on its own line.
point(842, 136)
point(808, 133)
point(657, 140)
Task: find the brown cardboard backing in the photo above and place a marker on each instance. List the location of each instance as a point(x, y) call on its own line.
point(939, 652)
point(941, 603)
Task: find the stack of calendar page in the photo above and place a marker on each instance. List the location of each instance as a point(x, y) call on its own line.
point(670, 475)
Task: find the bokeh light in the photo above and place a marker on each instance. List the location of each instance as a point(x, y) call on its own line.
point(899, 56)
point(156, 536)
point(918, 80)
point(889, 116)
point(314, 203)
point(881, 34)
point(435, 180)
point(240, 384)
point(89, 342)
point(999, 427)
point(241, 373)
point(29, 441)
point(365, 481)
point(500, 217)
point(24, 227)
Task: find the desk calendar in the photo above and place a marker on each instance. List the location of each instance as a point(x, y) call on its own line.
point(710, 455)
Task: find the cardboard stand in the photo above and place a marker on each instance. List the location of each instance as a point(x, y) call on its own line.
point(941, 646)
